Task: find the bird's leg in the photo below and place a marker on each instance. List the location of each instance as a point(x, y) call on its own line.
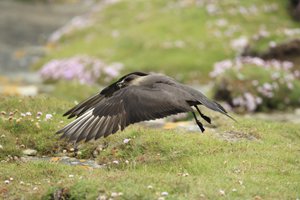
point(198, 122)
point(202, 115)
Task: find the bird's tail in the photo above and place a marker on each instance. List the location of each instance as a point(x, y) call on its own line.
point(201, 98)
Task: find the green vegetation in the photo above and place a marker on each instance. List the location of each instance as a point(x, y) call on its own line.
point(252, 159)
point(186, 165)
point(175, 37)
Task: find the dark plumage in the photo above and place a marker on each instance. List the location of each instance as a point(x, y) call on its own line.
point(133, 98)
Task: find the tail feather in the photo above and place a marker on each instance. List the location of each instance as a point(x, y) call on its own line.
point(201, 98)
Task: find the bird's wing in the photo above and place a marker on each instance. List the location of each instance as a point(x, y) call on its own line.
point(84, 106)
point(127, 106)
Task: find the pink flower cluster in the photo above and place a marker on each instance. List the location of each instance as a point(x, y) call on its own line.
point(85, 69)
point(254, 92)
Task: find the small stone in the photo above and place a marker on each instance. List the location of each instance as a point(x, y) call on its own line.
point(11, 178)
point(72, 150)
point(64, 151)
point(22, 183)
point(30, 152)
point(161, 198)
point(126, 161)
point(1, 147)
point(3, 136)
point(6, 181)
point(234, 190)
point(71, 176)
point(164, 193)
point(35, 188)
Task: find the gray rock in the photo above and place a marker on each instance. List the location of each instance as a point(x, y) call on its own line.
point(30, 152)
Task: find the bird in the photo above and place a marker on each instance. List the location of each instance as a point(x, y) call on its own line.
point(135, 97)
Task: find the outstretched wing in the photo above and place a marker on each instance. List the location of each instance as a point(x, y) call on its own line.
point(126, 106)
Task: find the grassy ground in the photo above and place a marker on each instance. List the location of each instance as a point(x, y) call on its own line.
point(138, 33)
point(186, 165)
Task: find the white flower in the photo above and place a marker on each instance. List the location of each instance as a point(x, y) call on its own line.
point(48, 116)
point(39, 113)
point(116, 162)
point(164, 193)
point(28, 113)
point(126, 140)
point(150, 187)
point(240, 43)
point(222, 192)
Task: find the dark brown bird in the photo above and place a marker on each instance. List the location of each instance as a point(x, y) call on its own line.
point(133, 98)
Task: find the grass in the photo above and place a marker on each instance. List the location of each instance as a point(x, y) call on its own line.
point(180, 41)
point(266, 168)
point(184, 35)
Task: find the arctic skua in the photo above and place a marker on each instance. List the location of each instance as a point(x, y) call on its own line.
point(135, 97)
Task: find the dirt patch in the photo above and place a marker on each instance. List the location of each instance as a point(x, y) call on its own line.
point(294, 9)
point(236, 136)
point(286, 51)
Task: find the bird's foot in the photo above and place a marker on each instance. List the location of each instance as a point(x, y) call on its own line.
point(206, 118)
point(200, 126)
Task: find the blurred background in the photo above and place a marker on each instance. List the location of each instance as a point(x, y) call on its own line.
point(244, 53)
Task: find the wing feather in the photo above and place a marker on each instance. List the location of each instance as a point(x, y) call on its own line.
point(129, 105)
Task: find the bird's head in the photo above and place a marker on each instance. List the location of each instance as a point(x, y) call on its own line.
point(129, 79)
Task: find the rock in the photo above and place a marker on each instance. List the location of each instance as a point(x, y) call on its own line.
point(30, 152)
point(1, 147)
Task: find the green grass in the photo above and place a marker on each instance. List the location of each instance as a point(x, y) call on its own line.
point(268, 167)
point(146, 27)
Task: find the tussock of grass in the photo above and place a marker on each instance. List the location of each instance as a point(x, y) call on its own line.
point(186, 165)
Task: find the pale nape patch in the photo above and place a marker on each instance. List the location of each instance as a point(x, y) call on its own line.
point(138, 80)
